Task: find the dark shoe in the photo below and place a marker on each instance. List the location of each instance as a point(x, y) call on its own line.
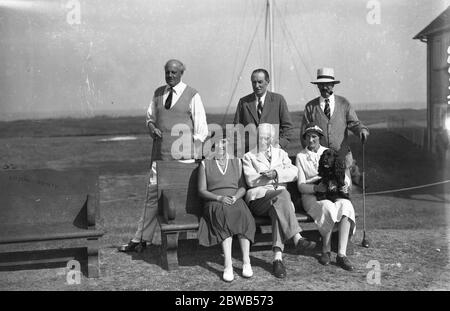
point(278, 269)
point(344, 263)
point(325, 258)
point(305, 245)
point(133, 247)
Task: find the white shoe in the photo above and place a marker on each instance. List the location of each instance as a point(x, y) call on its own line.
point(247, 271)
point(228, 274)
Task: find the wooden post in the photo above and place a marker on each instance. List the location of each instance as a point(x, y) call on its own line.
point(92, 260)
point(169, 250)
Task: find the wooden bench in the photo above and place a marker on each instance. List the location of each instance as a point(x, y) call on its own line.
point(47, 205)
point(180, 209)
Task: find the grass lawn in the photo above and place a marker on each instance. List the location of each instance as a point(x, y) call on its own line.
point(408, 230)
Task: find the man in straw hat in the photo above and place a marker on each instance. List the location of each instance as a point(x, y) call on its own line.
point(334, 115)
point(267, 169)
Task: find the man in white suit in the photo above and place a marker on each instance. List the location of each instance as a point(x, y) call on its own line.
point(267, 169)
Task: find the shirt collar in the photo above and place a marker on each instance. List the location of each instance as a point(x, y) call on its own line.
point(263, 98)
point(177, 88)
point(331, 98)
point(318, 153)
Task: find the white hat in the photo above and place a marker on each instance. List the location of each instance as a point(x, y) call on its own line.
point(325, 75)
point(312, 127)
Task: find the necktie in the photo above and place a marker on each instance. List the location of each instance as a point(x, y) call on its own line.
point(268, 155)
point(260, 108)
point(168, 102)
point(327, 108)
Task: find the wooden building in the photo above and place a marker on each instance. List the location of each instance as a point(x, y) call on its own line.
point(437, 37)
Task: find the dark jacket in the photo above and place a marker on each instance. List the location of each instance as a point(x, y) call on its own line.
point(275, 111)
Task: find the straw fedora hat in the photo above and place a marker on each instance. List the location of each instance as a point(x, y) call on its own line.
point(325, 75)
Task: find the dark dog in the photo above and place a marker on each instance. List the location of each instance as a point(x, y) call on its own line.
point(332, 171)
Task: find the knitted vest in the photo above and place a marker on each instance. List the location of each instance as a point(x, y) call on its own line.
point(183, 149)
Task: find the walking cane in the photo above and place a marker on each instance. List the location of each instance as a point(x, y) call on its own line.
point(365, 242)
point(139, 248)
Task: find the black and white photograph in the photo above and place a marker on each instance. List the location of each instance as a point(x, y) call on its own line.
point(225, 150)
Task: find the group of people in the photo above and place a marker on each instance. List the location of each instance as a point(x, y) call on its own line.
point(235, 190)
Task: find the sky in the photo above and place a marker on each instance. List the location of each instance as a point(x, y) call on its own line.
point(81, 58)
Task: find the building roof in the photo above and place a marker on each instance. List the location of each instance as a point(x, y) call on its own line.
point(440, 24)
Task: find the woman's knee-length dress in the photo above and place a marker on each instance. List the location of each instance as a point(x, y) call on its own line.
point(325, 213)
point(221, 220)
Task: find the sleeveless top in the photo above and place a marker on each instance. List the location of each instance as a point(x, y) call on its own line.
point(178, 117)
point(222, 183)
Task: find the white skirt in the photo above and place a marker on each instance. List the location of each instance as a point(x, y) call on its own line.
point(326, 213)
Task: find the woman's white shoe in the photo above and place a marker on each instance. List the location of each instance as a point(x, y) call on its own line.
point(247, 271)
point(228, 274)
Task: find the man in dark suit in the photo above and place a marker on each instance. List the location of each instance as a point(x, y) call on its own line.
point(263, 106)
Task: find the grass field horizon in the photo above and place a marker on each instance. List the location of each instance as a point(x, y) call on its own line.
point(220, 110)
point(408, 230)
point(135, 125)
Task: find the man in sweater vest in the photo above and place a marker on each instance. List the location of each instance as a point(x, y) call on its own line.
point(334, 115)
point(176, 108)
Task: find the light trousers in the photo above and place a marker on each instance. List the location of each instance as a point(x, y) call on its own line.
point(278, 206)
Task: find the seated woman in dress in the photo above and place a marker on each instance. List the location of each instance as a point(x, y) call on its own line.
point(325, 213)
point(225, 213)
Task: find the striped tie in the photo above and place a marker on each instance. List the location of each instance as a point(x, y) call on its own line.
point(327, 108)
point(268, 155)
point(260, 108)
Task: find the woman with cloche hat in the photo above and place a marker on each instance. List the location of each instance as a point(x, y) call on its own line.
point(326, 214)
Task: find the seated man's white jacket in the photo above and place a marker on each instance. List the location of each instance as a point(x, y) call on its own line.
point(254, 163)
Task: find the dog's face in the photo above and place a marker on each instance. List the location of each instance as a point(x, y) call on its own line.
point(326, 162)
point(332, 170)
point(328, 158)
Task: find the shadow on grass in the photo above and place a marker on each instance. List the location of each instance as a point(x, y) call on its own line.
point(210, 260)
point(191, 254)
point(150, 255)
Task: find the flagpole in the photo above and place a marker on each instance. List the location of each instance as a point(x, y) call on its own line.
point(270, 8)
